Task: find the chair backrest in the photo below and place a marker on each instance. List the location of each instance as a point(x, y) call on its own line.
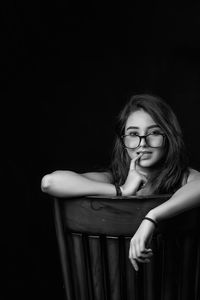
point(94, 234)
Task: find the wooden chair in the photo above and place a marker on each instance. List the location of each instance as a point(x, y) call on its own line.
point(93, 237)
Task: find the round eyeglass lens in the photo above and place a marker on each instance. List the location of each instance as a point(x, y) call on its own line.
point(131, 141)
point(154, 140)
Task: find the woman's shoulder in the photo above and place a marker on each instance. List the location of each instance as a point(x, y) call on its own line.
point(193, 175)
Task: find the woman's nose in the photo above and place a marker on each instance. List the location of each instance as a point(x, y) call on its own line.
point(143, 142)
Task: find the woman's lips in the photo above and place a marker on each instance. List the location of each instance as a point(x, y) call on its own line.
point(145, 154)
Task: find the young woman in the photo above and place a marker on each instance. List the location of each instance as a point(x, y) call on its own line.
point(149, 157)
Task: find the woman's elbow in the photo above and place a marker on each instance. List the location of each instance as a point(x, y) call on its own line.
point(46, 183)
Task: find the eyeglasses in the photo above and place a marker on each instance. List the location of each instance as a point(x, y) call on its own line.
point(153, 140)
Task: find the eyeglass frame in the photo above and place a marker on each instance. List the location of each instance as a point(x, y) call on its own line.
point(142, 137)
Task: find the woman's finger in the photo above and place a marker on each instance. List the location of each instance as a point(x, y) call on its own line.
point(132, 258)
point(136, 256)
point(142, 260)
point(135, 260)
point(137, 250)
point(134, 161)
point(145, 255)
point(134, 253)
point(142, 256)
point(143, 249)
point(134, 263)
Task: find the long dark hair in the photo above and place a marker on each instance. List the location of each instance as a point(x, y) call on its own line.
point(175, 163)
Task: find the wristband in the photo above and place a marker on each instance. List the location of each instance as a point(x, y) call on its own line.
point(118, 190)
point(152, 221)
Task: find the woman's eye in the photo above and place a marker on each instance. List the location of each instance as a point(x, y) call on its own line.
point(155, 132)
point(133, 133)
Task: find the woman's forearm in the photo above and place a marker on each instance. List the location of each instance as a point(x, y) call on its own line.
point(69, 184)
point(187, 197)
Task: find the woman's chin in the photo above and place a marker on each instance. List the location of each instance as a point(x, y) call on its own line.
point(146, 163)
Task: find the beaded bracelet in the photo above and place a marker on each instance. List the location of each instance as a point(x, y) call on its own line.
point(118, 190)
point(152, 221)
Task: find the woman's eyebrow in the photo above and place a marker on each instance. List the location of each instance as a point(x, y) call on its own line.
point(149, 127)
point(153, 126)
point(132, 127)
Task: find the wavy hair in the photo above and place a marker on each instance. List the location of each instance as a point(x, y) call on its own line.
point(175, 163)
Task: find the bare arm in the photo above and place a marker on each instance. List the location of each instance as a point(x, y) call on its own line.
point(187, 197)
point(71, 184)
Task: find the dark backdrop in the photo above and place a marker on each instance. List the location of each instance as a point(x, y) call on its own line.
point(66, 71)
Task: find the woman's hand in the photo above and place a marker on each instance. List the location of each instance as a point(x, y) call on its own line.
point(135, 179)
point(139, 251)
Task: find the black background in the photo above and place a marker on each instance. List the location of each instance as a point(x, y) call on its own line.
point(66, 71)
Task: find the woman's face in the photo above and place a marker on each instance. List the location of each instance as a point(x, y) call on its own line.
point(141, 123)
